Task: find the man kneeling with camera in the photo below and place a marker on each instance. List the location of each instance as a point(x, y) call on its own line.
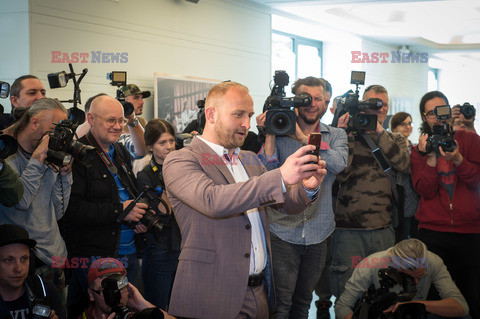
point(395, 283)
point(112, 296)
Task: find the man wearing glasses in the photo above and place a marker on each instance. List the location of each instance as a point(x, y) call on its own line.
point(409, 257)
point(99, 196)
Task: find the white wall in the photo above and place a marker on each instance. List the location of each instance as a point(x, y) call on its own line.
point(14, 42)
point(215, 39)
point(405, 82)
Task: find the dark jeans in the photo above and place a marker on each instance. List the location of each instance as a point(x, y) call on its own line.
point(296, 270)
point(460, 253)
point(158, 272)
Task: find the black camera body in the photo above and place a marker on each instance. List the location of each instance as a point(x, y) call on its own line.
point(467, 110)
point(62, 147)
point(443, 135)
point(375, 301)
point(358, 121)
point(112, 286)
point(119, 79)
point(155, 223)
point(281, 117)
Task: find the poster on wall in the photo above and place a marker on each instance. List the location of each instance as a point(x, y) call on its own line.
point(176, 98)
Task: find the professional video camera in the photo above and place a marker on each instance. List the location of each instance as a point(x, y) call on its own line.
point(359, 121)
point(467, 110)
point(443, 135)
point(62, 147)
point(281, 117)
point(119, 79)
point(154, 222)
point(375, 301)
point(60, 80)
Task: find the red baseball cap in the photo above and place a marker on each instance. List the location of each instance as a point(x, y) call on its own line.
point(104, 266)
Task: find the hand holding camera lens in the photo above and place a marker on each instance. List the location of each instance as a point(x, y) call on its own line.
point(137, 211)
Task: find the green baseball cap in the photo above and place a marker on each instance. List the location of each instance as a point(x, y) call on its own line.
point(132, 89)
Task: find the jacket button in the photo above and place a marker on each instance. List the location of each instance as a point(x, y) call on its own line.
point(116, 211)
point(113, 233)
point(247, 255)
point(104, 176)
point(248, 226)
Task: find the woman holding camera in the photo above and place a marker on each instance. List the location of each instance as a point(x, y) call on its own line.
point(161, 250)
point(449, 209)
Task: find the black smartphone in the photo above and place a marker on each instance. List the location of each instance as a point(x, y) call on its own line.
point(315, 139)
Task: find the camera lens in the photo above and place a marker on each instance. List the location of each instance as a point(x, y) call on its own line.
point(467, 110)
point(363, 121)
point(128, 108)
point(280, 121)
point(8, 146)
point(448, 145)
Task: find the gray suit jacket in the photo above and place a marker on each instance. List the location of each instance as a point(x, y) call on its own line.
point(213, 270)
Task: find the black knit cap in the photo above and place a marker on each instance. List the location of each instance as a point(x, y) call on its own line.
point(13, 234)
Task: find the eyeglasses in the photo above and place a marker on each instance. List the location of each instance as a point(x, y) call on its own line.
point(112, 121)
point(405, 124)
point(430, 115)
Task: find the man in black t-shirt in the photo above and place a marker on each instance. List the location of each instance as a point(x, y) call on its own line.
point(19, 292)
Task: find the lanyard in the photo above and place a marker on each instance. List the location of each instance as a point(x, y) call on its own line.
point(111, 166)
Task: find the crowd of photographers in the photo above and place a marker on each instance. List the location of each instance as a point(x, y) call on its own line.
point(72, 197)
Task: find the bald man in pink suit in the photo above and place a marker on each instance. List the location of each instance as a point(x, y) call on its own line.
point(219, 194)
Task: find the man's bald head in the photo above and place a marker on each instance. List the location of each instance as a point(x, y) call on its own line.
point(218, 91)
point(106, 120)
point(104, 105)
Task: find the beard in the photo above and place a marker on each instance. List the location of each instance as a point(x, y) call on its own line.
point(228, 137)
point(307, 120)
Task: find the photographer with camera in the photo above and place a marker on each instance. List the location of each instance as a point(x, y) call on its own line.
point(299, 242)
point(100, 194)
point(23, 295)
point(112, 296)
point(46, 185)
point(160, 257)
point(393, 281)
point(446, 173)
point(364, 212)
point(25, 91)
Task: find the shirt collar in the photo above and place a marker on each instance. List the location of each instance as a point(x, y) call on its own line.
point(218, 149)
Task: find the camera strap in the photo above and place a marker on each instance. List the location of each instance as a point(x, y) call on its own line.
point(158, 172)
point(387, 168)
point(130, 185)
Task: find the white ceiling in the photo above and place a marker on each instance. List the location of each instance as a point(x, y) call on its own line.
point(439, 25)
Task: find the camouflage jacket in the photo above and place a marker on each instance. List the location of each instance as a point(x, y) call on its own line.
point(365, 198)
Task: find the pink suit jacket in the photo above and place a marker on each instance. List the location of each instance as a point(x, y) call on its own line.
point(213, 269)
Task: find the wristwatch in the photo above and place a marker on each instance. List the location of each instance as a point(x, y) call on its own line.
point(134, 123)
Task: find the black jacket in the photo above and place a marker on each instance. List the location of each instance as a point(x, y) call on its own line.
point(170, 237)
point(90, 222)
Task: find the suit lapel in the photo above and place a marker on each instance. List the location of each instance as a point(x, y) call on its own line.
point(210, 159)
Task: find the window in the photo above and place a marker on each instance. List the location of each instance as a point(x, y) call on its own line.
point(299, 57)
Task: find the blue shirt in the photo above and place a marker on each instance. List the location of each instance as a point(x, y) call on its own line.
point(127, 236)
point(316, 222)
